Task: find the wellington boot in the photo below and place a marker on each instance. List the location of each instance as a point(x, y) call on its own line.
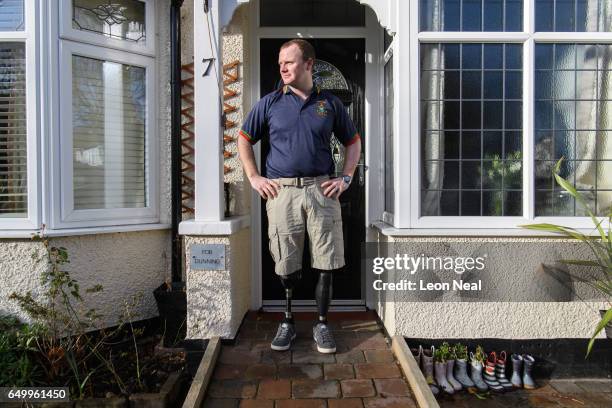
point(528, 363)
point(517, 368)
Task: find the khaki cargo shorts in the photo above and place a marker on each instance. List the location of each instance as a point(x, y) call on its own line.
point(300, 207)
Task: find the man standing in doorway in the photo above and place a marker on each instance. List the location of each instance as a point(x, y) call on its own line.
point(300, 195)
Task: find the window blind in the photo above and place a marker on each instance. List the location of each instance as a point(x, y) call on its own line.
point(109, 149)
point(13, 142)
point(11, 15)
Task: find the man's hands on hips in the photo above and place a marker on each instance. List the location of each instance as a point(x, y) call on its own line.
point(334, 187)
point(265, 187)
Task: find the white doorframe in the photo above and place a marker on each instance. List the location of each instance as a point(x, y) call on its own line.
point(372, 33)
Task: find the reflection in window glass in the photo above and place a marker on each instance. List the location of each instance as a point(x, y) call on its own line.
point(12, 15)
point(573, 108)
point(311, 13)
point(387, 38)
point(573, 15)
point(13, 141)
point(109, 108)
point(122, 19)
point(471, 15)
point(471, 129)
point(389, 191)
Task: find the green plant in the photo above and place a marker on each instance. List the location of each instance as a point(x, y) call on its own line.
point(600, 245)
point(501, 174)
point(18, 357)
point(438, 356)
point(460, 351)
point(479, 355)
point(67, 349)
point(447, 351)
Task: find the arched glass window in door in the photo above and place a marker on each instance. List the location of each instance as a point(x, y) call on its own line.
point(326, 76)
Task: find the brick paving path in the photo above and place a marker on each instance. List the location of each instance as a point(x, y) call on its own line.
point(554, 393)
point(363, 373)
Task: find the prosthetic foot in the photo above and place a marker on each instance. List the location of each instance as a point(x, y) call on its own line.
point(286, 330)
point(320, 332)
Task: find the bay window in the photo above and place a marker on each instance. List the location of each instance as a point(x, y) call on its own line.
point(18, 116)
point(505, 89)
point(107, 114)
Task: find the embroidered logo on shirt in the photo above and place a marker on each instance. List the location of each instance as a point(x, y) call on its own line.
point(321, 111)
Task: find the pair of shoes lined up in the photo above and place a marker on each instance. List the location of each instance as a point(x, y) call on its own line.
point(524, 362)
point(494, 377)
point(424, 359)
point(495, 372)
point(438, 369)
point(450, 363)
point(320, 332)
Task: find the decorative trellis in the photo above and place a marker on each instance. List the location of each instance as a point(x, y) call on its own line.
point(187, 139)
point(231, 74)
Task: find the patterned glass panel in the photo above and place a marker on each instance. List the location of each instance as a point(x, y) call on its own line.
point(471, 15)
point(573, 110)
point(13, 141)
point(573, 15)
point(12, 15)
point(471, 129)
point(122, 19)
point(109, 150)
point(327, 76)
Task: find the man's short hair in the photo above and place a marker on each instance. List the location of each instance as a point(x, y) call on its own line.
point(307, 49)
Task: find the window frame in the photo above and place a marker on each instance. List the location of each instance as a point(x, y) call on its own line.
point(29, 37)
point(388, 54)
point(408, 216)
point(68, 216)
point(66, 31)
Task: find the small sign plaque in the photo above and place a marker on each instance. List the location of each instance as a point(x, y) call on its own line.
point(208, 257)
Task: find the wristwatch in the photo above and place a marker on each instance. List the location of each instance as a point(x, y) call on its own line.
point(347, 179)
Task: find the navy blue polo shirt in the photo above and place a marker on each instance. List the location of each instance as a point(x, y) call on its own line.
point(299, 131)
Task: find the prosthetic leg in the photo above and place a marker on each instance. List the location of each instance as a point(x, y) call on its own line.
point(286, 331)
point(289, 283)
point(323, 293)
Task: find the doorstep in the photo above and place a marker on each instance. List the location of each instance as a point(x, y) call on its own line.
point(363, 373)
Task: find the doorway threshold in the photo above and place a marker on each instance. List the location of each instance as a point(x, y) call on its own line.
point(311, 306)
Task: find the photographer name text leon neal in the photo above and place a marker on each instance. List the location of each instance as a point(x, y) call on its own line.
point(428, 286)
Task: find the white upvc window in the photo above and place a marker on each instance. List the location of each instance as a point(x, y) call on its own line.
point(503, 90)
point(389, 125)
point(108, 155)
point(19, 150)
point(127, 25)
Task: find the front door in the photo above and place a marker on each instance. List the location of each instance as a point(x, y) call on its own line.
point(340, 68)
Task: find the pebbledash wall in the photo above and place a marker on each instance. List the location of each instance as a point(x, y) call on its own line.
point(217, 300)
point(126, 264)
point(514, 268)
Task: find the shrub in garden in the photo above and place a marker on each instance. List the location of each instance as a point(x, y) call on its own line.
point(66, 346)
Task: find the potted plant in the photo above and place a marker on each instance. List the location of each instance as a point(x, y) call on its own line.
point(600, 245)
point(451, 356)
point(441, 355)
point(477, 361)
point(460, 353)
